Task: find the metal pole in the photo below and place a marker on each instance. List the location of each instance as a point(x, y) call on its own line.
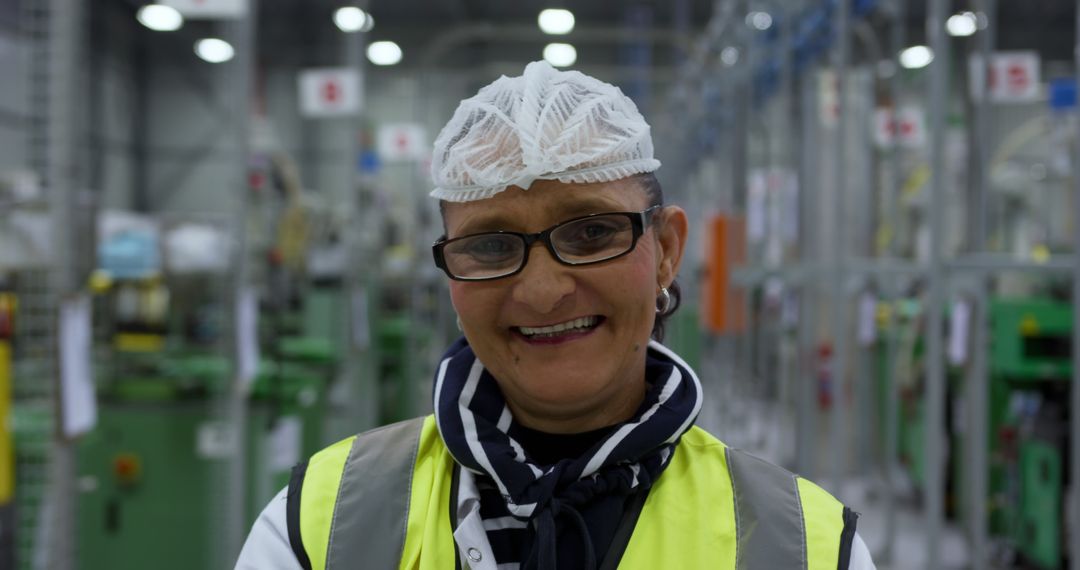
point(935, 365)
point(239, 79)
point(980, 126)
point(892, 388)
point(839, 281)
point(62, 181)
point(1074, 437)
point(978, 425)
point(808, 207)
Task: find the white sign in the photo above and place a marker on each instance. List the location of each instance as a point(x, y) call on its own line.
point(402, 141)
point(247, 337)
point(330, 92)
point(215, 440)
point(959, 327)
point(828, 98)
point(78, 403)
point(209, 9)
point(1014, 77)
point(867, 323)
point(907, 128)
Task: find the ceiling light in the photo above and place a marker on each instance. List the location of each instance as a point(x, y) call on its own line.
point(962, 24)
point(556, 21)
point(729, 56)
point(560, 55)
point(915, 57)
point(384, 53)
point(214, 50)
point(759, 20)
point(350, 19)
point(160, 18)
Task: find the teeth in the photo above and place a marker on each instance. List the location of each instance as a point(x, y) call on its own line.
point(582, 323)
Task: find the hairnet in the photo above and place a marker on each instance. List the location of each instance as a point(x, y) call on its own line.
point(546, 124)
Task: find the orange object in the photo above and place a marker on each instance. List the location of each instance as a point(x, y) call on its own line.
point(725, 249)
point(127, 468)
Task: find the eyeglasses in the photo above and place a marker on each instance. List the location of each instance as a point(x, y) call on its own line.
point(580, 241)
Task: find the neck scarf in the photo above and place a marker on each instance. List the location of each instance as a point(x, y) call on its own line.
point(477, 427)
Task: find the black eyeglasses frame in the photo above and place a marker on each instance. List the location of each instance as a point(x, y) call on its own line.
point(638, 222)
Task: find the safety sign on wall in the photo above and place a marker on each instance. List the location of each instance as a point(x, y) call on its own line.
point(402, 142)
point(209, 9)
point(330, 92)
point(1013, 77)
point(906, 128)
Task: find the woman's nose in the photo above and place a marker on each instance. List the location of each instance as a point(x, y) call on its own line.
point(544, 284)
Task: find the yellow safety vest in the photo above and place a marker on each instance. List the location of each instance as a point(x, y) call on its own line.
point(384, 498)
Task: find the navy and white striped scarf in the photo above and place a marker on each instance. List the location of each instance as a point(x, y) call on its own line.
point(477, 427)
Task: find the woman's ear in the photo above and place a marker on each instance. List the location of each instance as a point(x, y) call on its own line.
point(671, 231)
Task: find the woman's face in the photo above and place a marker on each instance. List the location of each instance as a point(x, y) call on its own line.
point(586, 378)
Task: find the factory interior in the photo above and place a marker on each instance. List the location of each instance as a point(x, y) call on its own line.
point(216, 233)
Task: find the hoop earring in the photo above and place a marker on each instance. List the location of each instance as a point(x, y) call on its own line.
point(663, 301)
point(459, 327)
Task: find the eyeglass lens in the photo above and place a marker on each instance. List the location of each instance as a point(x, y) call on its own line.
point(587, 240)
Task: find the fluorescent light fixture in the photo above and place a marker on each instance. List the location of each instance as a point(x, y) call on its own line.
point(962, 24)
point(160, 18)
point(729, 56)
point(560, 55)
point(556, 21)
point(214, 50)
point(384, 53)
point(350, 19)
point(759, 20)
point(915, 57)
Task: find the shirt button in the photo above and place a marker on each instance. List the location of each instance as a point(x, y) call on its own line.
point(474, 555)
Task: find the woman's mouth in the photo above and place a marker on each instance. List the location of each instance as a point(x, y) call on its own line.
point(560, 332)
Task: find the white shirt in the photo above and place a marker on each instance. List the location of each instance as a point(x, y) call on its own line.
point(267, 546)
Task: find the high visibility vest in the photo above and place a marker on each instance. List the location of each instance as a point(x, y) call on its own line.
point(383, 499)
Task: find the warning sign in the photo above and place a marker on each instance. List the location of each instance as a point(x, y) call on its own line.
point(402, 141)
point(330, 92)
point(1011, 77)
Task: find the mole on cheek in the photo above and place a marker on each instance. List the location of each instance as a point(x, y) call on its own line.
point(637, 347)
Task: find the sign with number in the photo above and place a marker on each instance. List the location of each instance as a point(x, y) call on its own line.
point(1013, 77)
point(330, 92)
point(402, 141)
point(209, 9)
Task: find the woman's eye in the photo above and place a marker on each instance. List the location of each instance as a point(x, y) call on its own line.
point(595, 231)
point(490, 248)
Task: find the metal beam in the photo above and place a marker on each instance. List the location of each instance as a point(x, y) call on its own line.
point(839, 416)
point(1074, 437)
point(935, 364)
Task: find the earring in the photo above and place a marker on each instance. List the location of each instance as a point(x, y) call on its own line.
point(663, 301)
point(459, 327)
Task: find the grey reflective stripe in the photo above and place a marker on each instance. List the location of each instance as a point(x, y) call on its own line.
point(372, 508)
point(768, 514)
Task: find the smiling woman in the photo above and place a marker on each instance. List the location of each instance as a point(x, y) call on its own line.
point(563, 434)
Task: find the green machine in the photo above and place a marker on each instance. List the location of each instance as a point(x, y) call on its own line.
point(1030, 370)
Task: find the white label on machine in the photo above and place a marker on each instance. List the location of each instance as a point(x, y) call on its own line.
point(911, 127)
point(209, 9)
point(867, 330)
point(247, 338)
point(78, 403)
point(756, 205)
point(215, 440)
point(402, 142)
point(959, 325)
point(285, 438)
point(330, 92)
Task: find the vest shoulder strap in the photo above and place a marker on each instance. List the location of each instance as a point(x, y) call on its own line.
point(361, 484)
point(774, 506)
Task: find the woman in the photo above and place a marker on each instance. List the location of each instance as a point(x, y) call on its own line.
point(563, 434)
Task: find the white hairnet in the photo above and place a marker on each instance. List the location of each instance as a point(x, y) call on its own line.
point(546, 124)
